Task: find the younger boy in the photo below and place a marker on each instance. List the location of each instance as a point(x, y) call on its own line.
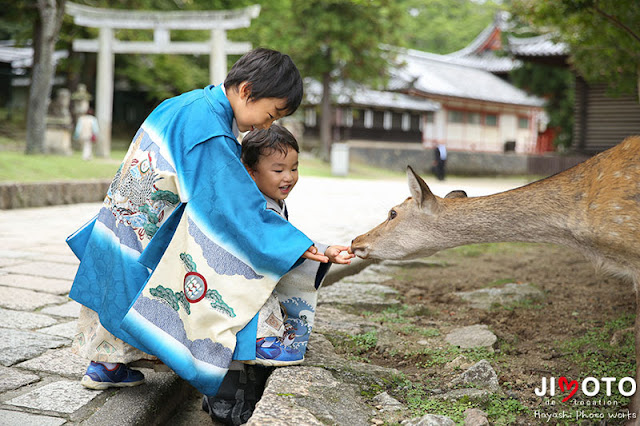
point(285, 321)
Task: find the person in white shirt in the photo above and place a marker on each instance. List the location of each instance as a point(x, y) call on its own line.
point(86, 132)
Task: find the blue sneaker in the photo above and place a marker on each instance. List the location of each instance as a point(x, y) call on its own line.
point(100, 377)
point(270, 351)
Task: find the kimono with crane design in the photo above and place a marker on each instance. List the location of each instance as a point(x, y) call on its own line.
point(184, 253)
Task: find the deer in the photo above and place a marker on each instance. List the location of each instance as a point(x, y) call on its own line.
point(593, 207)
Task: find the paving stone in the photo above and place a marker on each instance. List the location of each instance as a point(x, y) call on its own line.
point(28, 282)
point(61, 271)
point(58, 361)
point(371, 275)
point(331, 319)
point(17, 254)
point(473, 336)
point(64, 396)
point(480, 375)
point(364, 296)
point(430, 420)
point(24, 320)
point(59, 248)
point(16, 345)
point(10, 261)
point(70, 258)
point(25, 419)
point(26, 300)
point(508, 294)
point(67, 329)
point(11, 378)
point(310, 396)
point(70, 309)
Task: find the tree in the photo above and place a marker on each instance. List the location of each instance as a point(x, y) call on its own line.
point(603, 36)
point(40, 22)
point(555, 85)
point(332, 40)
point(46, 27)
point(444, 26)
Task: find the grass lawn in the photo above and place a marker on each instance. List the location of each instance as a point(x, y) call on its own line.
point(15, 166)
point(18, 167)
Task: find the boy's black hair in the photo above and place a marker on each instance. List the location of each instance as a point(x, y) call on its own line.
point(264, 142)
point(270, 74)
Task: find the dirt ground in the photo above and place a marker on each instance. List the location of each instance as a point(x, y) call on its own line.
point(567, 333)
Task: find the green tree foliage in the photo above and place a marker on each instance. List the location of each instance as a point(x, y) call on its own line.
point(603, 36)
point(444, 26)
point(554, 84)
point(333, 40)
point(159, 76)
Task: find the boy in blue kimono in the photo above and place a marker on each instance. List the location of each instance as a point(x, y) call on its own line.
point(183, 252)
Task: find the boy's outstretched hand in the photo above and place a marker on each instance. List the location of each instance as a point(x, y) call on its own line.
point(339, 254)
point(312, 254)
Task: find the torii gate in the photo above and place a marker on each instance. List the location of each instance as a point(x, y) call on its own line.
point(218, 47)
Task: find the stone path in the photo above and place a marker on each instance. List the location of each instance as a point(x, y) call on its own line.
point(39, 376)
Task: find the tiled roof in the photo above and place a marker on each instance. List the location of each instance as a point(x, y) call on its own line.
point(537, 46)
point(440, 75)
point(22, 57)
point(487, 61)
point(356, 95)
point(481, 52)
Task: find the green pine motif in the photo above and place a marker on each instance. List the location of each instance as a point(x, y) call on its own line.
point(150, 227)
point(167, 196)
point(218, 304)
point(167, 294)
point(188, 262)
point(173, 299)
point(184, 302)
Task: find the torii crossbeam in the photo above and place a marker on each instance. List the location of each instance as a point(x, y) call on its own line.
point(107, 20)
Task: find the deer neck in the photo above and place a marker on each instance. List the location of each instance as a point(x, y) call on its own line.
point(534, 213)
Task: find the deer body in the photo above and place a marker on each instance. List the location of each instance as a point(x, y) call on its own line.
point(593, 207)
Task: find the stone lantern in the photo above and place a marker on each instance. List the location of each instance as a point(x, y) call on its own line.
point(59, 125)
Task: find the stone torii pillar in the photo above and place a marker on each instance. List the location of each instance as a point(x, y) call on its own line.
point(107, 20)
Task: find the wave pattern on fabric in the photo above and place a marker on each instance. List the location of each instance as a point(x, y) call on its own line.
point(223, 262)
point(168, 320)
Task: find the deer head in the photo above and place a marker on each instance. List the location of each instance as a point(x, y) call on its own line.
point(412, 229)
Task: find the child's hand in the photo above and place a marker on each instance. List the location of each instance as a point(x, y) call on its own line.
point(339, 254)
point(312, 254)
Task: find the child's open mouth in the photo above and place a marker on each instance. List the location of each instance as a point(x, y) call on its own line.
point(285, 188)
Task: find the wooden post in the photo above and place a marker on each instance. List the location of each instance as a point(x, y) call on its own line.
point(104, 91)
point(218, 57)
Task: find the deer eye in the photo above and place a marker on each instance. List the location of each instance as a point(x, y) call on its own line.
point(392, 214)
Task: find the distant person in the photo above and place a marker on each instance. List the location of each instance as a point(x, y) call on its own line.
point(86, 133)
point(440, 161)
point(183, 252)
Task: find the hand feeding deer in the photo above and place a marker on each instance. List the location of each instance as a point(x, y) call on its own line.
point(593, 207)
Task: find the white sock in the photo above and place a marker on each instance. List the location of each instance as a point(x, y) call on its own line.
point(109, 365)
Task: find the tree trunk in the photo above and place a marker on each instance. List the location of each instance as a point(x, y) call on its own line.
point(45, 35)
point(325, 117)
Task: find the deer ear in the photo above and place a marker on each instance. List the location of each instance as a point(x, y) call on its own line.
point(421, 192)
point(458, 193)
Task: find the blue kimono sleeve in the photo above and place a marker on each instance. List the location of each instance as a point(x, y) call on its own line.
point(226, 199)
